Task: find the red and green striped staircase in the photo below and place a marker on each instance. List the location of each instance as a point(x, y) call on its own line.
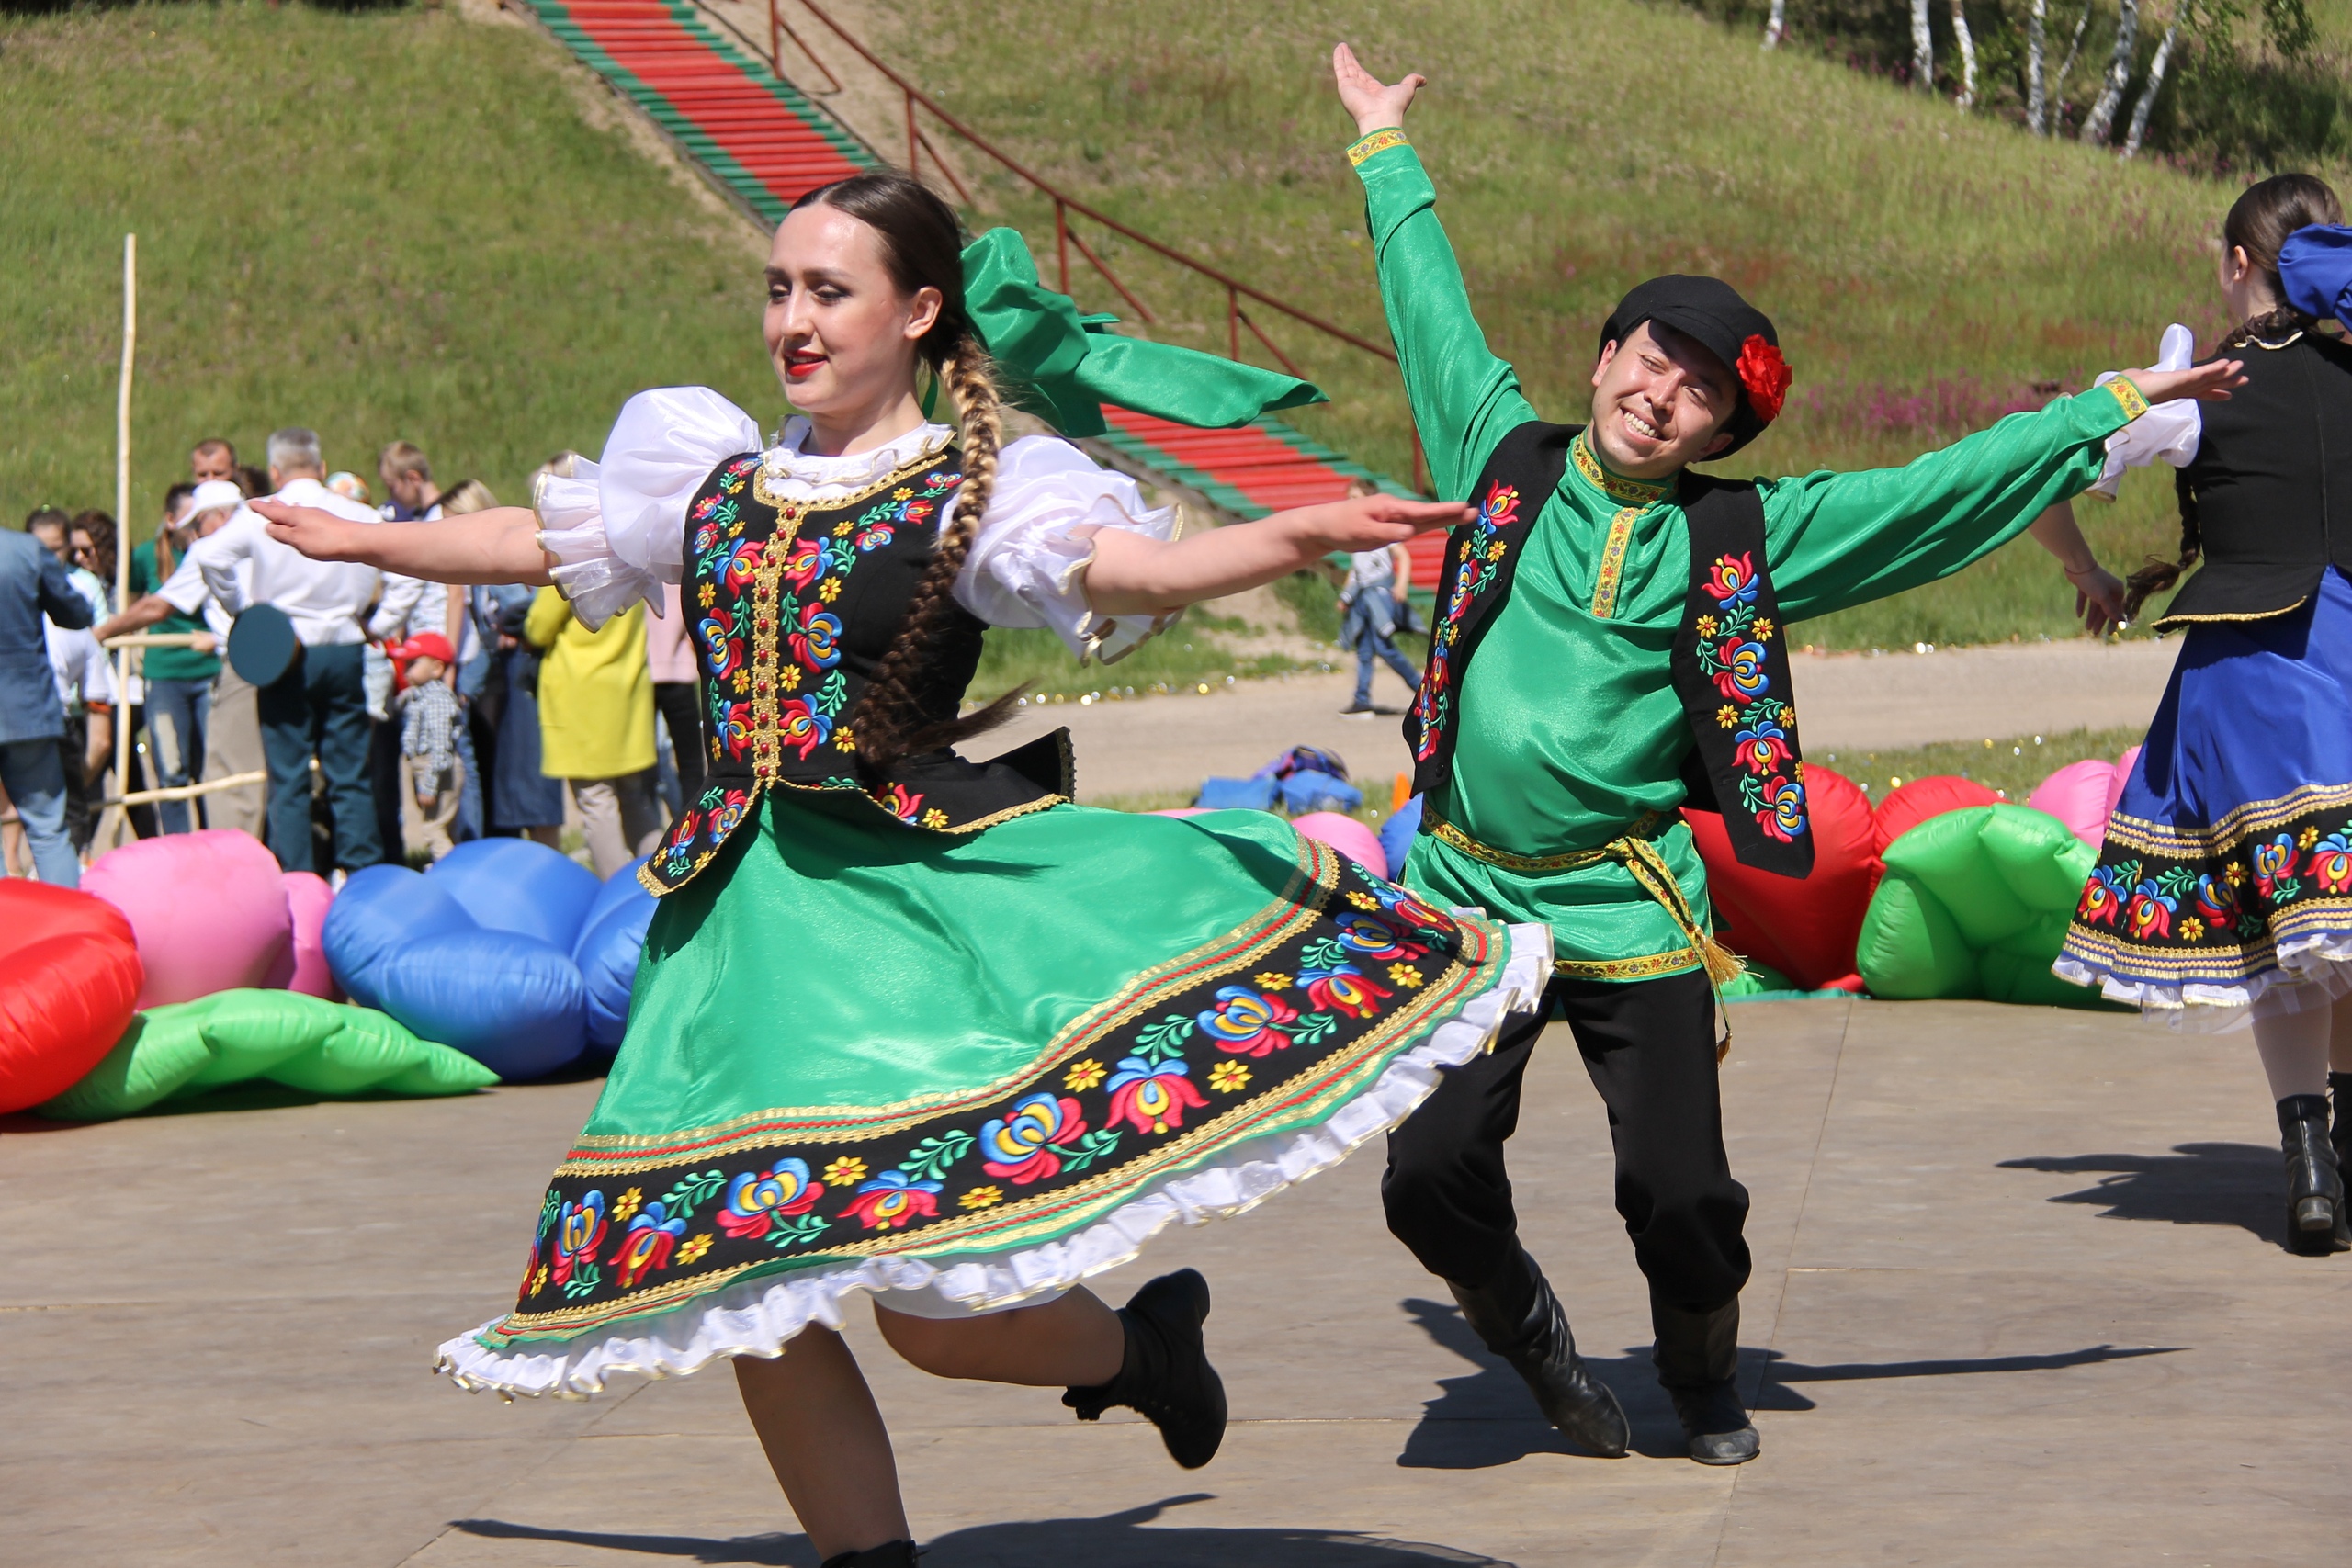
point(768, 144)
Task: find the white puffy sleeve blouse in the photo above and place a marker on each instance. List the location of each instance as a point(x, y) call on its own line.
point(617, 526)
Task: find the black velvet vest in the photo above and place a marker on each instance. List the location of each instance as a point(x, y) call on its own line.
point(2271, 484)
point(793, 607)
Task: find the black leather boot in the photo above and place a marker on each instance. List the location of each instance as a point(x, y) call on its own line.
point(1165, 1377)
point(2339, 1133)
point(1521, 1320)
point(1698, 1360)
point(2315, 1218)
point(889, 1554)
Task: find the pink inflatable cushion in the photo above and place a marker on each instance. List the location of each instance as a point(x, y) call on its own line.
point(304, 968)
point(1348, 836)
point(2080, 795)
point(209, 910)
point(69, 977)
point(2123, 766)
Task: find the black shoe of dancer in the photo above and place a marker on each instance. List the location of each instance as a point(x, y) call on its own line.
point(1698, 1360)
point(889, 1554)
point(2316, 1219)
point(1165, 1377)
point(1521, 1320)
point(2340, 1132)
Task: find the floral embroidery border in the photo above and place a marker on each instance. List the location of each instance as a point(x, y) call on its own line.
point(1732, 654)
point(1293, 1028)
point(1375, 142)
point(1612, 562)
point(1480, 565)
point(1643, 968)
point(2218, 904)
point(1623, 491)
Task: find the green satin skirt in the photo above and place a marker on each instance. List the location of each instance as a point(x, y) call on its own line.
point(962, 1073)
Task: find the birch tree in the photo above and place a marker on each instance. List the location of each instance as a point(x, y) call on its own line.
point(1923, 49)
point(1776, 26)
point(2037, 91)
point(1967, 98)
point(2066, 66)
point(2101, 120)
point(2147, 102)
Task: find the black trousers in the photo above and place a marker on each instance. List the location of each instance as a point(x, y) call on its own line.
point(1650, 1049)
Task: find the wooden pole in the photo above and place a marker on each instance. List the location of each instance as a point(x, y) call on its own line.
point(123, 656)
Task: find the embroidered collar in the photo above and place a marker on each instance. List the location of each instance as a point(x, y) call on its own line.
point(1625, 493)
point(790, 470)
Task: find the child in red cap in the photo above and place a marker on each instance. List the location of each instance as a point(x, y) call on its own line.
point(431, 775)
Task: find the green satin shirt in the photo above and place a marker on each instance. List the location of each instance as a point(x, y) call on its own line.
point(1568, 728)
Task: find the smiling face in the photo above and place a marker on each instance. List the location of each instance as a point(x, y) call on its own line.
point(839, 332)
point(1660, 402)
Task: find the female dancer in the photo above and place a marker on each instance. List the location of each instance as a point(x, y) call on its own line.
point(2224, 888)
point(906, 1024)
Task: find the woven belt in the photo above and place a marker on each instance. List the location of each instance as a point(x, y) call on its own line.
point(1636, 851)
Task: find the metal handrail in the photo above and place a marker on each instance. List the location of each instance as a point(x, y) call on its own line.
point(1064, 204)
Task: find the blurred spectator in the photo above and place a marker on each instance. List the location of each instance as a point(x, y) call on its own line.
point(254, 481)
point(178, 680)
point(225, 724)
point(409, 493)
point(597, 725)
point(213, 458)
point(430, 724)
point(670, 654)
point(319, 707)
point(54, 529)
point(1373, 602)
point(86, 690)
point(34, 593)
point(92, 551)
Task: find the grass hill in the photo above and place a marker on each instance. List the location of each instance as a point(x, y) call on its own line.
point(399, 223)
point(1926, 270)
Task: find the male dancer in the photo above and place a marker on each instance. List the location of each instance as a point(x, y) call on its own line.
point(1628, 651)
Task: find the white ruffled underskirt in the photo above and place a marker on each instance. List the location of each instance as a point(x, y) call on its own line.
point(2312, 972)
point(759, 1317)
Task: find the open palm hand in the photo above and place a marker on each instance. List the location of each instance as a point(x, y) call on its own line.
point(1375, 104)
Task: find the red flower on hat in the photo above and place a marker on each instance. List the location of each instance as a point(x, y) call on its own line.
point(1765, 375)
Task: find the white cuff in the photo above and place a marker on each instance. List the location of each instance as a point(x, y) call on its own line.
point(2170, 431)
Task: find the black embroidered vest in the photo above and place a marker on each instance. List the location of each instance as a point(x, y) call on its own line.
point(1730, 660)
point(792, 606)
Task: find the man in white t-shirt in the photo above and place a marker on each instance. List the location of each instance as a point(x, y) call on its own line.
point(86, 690)
point(319, 707)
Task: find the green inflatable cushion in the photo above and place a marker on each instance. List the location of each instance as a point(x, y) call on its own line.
point(1974, 903)
point(304, 1043)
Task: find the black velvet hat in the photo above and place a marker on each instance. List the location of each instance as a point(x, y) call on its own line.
point(1711, 311)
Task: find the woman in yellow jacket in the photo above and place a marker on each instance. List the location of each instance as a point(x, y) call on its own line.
point(597, 725)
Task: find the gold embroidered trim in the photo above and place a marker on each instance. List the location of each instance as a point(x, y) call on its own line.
point(1657, 964)
point(2165, 622)
point(2135, 405)
point(2130, 958)
point(1649, 825)
point(1376, 141)
point(1314, 878)
point(2220, 839)
point(1612, 562)
point(1625, 493)
point(1047, 1214)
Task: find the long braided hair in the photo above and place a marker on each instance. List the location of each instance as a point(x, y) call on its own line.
point(2259, 222)
point(923, 248)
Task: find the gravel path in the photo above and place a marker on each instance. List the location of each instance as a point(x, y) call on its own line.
point(1848, 700)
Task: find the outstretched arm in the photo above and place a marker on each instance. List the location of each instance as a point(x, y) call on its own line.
point(500, 545)
point(1135, 575)
point(1838, 540)
point(1466, 398)
point(2098, 592)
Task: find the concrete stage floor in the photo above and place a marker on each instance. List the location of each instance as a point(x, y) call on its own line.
point(2019, 1300)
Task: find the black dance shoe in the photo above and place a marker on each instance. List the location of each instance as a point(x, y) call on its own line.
point(1521, 1320)
point(2339, 1133)
point(889, 1554)
point(1698, 1360)
point(2316, 1222)
point(1165, 1377)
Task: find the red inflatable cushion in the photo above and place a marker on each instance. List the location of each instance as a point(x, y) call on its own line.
point(1804, 929)
point(1906, 808)
point(69, 979)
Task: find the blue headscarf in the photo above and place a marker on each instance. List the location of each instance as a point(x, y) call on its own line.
point(2316, 263)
